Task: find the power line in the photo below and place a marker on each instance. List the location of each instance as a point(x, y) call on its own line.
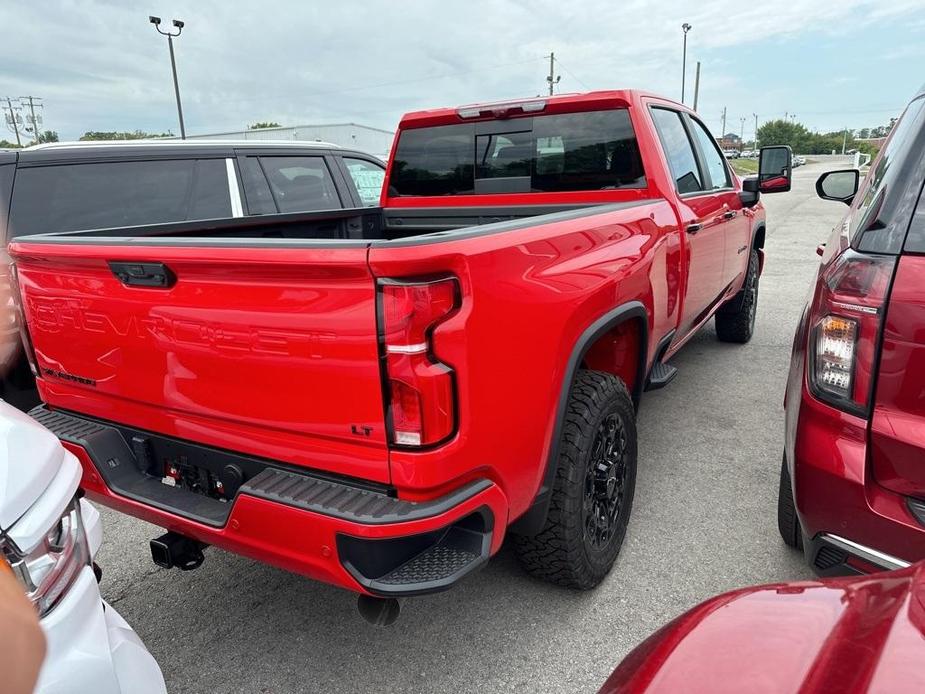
point(572, 74)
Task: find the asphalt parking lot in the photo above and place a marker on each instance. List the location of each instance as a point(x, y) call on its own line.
point(703, 522)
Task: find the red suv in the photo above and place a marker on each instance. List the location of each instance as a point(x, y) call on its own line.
point(852, 488)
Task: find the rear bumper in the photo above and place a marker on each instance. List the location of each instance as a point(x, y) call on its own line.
point(350, 536)
point(850, 523)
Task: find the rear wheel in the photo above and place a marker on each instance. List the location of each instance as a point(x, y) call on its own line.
point(787, 521)
point(592, 494)
point(735, 321)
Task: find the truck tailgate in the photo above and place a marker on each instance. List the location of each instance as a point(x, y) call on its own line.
point(267, 351)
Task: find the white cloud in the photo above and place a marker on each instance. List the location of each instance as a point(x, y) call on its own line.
point(100, 65)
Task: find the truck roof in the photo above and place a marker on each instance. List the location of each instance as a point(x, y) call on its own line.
point(559, 103)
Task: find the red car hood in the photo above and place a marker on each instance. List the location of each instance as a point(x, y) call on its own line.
point(845, 635)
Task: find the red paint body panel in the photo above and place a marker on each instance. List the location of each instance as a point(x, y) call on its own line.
point(265, 352)
point(897, 432)
point(557, 279)
point(835, 635)
point(827, 452)
point(273, 352)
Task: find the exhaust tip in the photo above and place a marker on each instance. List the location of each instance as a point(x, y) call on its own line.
point(380, 612)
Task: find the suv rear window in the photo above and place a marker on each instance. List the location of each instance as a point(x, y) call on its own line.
point(105, 195)
point(578, 151)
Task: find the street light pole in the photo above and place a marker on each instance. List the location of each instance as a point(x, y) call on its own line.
point(685, 28)
point(156, 21)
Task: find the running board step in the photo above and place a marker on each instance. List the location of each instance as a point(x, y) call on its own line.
point(661, 375)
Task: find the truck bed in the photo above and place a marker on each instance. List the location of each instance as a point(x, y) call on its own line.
point(348, 225)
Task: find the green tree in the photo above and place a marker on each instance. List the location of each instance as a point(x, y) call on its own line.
point(6, 144)
point(784, 132)
point(263, 124)
point(115, 135)
point(48, 136)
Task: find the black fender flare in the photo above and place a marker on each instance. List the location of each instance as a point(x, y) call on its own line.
point(759, 228)
point(533, 520)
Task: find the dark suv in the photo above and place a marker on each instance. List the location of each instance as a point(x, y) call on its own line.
point(98, 185)
point(852, 489)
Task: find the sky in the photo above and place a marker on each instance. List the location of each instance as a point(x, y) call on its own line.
point(99, 64)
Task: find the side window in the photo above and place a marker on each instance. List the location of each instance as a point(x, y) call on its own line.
point(887, 166)
point(256, 190)
point(209, 198)
point(367, 177)
point(106, 195)
point(300, 184)
point(678, 150)
point(716, 162)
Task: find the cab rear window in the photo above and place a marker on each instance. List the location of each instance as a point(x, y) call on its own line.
point(555, 153)
point(106, 195)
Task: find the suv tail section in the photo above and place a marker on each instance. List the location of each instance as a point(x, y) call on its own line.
point(897, 430)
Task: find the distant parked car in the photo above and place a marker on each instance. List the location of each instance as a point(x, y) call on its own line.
point(798, 160)
point(852, 485)
point(834, 635)
point(731, 153)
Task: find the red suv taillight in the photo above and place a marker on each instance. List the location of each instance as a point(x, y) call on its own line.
point(420, 390)
point(846, 322)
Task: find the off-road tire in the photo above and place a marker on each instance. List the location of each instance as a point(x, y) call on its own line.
point(735, 320)
point(787, 521)
point(567, 551)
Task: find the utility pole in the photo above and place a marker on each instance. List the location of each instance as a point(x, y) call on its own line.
point(756, 131)
point(697, 85)
point(35, 121)
point(723, 131)
point(685, 28)
point(11, 121)
point(742, 131)
point(156, 21)
point(844, 141)
point(552, 78)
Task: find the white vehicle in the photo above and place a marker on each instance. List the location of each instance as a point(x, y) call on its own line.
point(49, 536)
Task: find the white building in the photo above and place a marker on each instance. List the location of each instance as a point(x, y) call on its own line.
point(373, 141)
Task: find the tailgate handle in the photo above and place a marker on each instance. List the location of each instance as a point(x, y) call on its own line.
point(143, 274)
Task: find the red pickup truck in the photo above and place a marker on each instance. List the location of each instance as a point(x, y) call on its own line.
point(375, 397)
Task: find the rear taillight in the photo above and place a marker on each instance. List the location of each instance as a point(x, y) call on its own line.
point(846, 324)
point(419, 389)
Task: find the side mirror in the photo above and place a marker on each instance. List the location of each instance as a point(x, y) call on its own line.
point(749, 194)
point(775, 169)
point(841, 185)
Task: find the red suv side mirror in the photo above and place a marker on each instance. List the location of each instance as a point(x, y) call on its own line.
point(840, 186)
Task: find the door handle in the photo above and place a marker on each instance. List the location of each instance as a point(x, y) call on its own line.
point(729, 215)
point(155, 275)
point(693, 228)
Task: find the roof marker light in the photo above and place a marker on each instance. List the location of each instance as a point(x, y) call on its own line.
point(501, 108)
